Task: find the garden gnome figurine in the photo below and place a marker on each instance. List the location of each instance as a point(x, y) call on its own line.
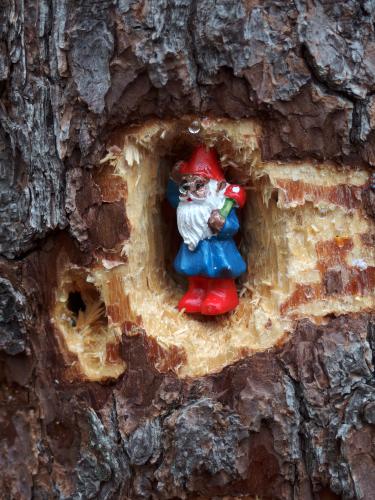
point(206, 218)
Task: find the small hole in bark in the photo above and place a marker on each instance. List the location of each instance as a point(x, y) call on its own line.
point(75, 303)
point(82, 319)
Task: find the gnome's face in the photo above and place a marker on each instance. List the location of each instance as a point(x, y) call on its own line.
point(193, 187)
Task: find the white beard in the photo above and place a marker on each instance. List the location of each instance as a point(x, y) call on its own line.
point(192, 216)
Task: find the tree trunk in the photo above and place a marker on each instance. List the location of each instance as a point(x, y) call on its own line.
point(106, 391)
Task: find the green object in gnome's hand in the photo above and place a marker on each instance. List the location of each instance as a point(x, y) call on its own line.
point(227, 207)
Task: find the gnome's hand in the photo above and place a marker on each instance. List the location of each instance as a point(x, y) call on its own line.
point(175, 174)
point(216, 221)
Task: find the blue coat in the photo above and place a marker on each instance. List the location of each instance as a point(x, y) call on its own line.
point(215, 257)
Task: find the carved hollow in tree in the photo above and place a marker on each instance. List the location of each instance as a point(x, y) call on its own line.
point(90, 344)
point(304, 238)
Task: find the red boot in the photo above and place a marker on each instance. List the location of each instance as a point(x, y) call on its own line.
point(193, 298)
point(221, 297)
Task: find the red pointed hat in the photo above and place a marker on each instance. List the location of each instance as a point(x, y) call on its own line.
point(203, 162)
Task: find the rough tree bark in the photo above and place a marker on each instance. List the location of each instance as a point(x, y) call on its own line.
point(295, 421)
